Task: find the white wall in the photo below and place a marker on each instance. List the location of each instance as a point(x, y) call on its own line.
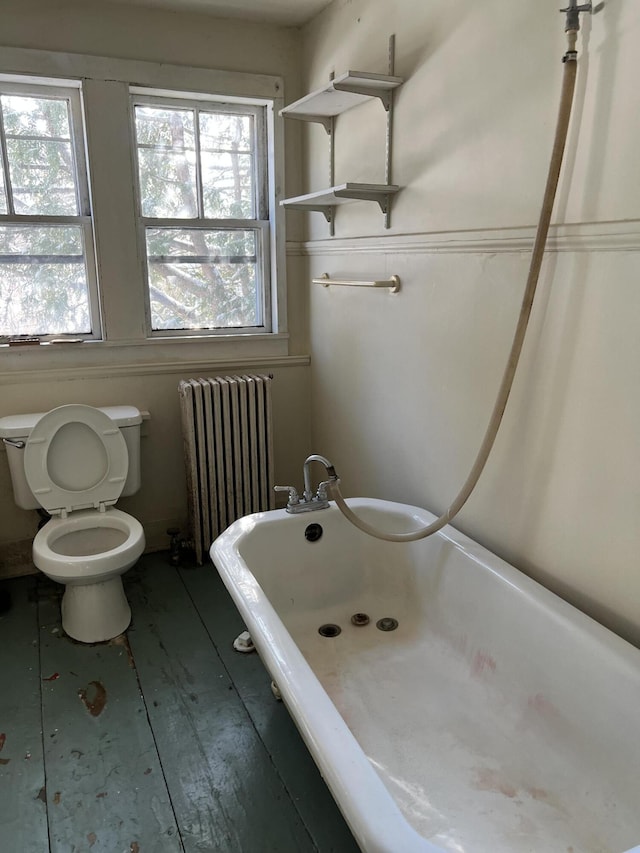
point(114, 377)
point(403, 384)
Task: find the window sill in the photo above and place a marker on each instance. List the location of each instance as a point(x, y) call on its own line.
point(95, 359)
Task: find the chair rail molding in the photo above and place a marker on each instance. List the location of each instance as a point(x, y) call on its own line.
point(615, 236)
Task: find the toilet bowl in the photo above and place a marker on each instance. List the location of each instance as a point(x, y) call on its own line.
point(76, 462)
point(88, 552)
point(88, 546)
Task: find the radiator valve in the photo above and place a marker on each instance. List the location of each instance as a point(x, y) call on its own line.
point(177, 545)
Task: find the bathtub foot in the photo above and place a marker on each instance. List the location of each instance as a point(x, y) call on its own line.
point(243, 643)
point(276, 691)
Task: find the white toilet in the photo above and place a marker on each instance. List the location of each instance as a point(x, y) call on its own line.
point(75, 462)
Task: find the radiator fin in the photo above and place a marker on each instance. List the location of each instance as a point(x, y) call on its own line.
point(228, 450)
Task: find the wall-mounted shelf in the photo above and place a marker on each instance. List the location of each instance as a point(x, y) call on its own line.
point(342, 94)
point(325, 200)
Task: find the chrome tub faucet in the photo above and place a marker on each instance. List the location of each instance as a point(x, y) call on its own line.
point(310, 500)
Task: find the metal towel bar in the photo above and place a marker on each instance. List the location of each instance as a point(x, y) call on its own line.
point(392, 283)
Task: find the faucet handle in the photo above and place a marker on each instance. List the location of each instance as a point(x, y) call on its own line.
point(293, 494)
point(321, 494)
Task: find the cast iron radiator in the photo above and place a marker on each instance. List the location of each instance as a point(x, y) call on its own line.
point(228, 448)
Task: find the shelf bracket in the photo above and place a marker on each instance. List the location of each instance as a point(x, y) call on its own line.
point(385, 206)
point(383, 200)
point(384, 95)
point(325, 121)
point(326, 210)
point(386, 210)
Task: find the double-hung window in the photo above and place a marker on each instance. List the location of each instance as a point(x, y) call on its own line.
point(138, 217)
point(47, 267)
point(203, 214)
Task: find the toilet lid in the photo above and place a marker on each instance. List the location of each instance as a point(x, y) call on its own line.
point(75, 458)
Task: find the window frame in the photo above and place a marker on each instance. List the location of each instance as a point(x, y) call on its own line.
point(261, 224)
point(70, 91)
point(125, 347)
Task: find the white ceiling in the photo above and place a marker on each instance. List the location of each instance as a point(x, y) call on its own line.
point(291, 13)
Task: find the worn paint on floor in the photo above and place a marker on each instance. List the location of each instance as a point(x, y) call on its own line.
point(163, 739)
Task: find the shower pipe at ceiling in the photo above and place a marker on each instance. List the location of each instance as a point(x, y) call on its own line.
point(562, 125)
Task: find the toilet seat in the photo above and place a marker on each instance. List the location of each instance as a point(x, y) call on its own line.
point(76, 458)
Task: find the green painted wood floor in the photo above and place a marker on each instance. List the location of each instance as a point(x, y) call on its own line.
point(162, 740)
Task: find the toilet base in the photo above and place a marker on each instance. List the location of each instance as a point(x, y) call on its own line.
point(92, 613)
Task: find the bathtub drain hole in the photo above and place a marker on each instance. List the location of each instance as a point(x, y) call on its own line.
point(329, 630)
point(388, 623)
point(360, 619)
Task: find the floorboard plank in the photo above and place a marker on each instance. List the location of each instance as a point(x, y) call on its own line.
point(105, 788)
point(226, 792)
point(23, 811)
point(271, 719)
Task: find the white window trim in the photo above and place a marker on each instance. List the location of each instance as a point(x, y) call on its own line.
point(107, 84)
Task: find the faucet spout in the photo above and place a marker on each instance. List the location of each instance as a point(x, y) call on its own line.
point(331, 471)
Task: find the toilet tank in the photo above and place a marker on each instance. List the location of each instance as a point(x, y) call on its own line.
point(18, 428)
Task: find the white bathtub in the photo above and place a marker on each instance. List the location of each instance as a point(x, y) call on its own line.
point(496, 717)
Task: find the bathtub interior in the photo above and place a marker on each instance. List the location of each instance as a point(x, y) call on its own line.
point(498, 717)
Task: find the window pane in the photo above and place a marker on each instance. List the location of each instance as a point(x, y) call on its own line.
point(42, 171)
point(166, 162)
point(43, 283)
point(203, 279)
point(226, 145)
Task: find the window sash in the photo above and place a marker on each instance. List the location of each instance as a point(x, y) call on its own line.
point(263, 267)
point(69, 91)
point(86, 225)
point(260, 224)
point(72, 94)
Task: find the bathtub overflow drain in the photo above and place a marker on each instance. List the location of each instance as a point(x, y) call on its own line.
point(329, 630)
point(313, 532)
point(387, 624)
point(360, 619)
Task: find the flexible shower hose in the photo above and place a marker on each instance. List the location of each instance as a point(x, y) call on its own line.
point(562, 126)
